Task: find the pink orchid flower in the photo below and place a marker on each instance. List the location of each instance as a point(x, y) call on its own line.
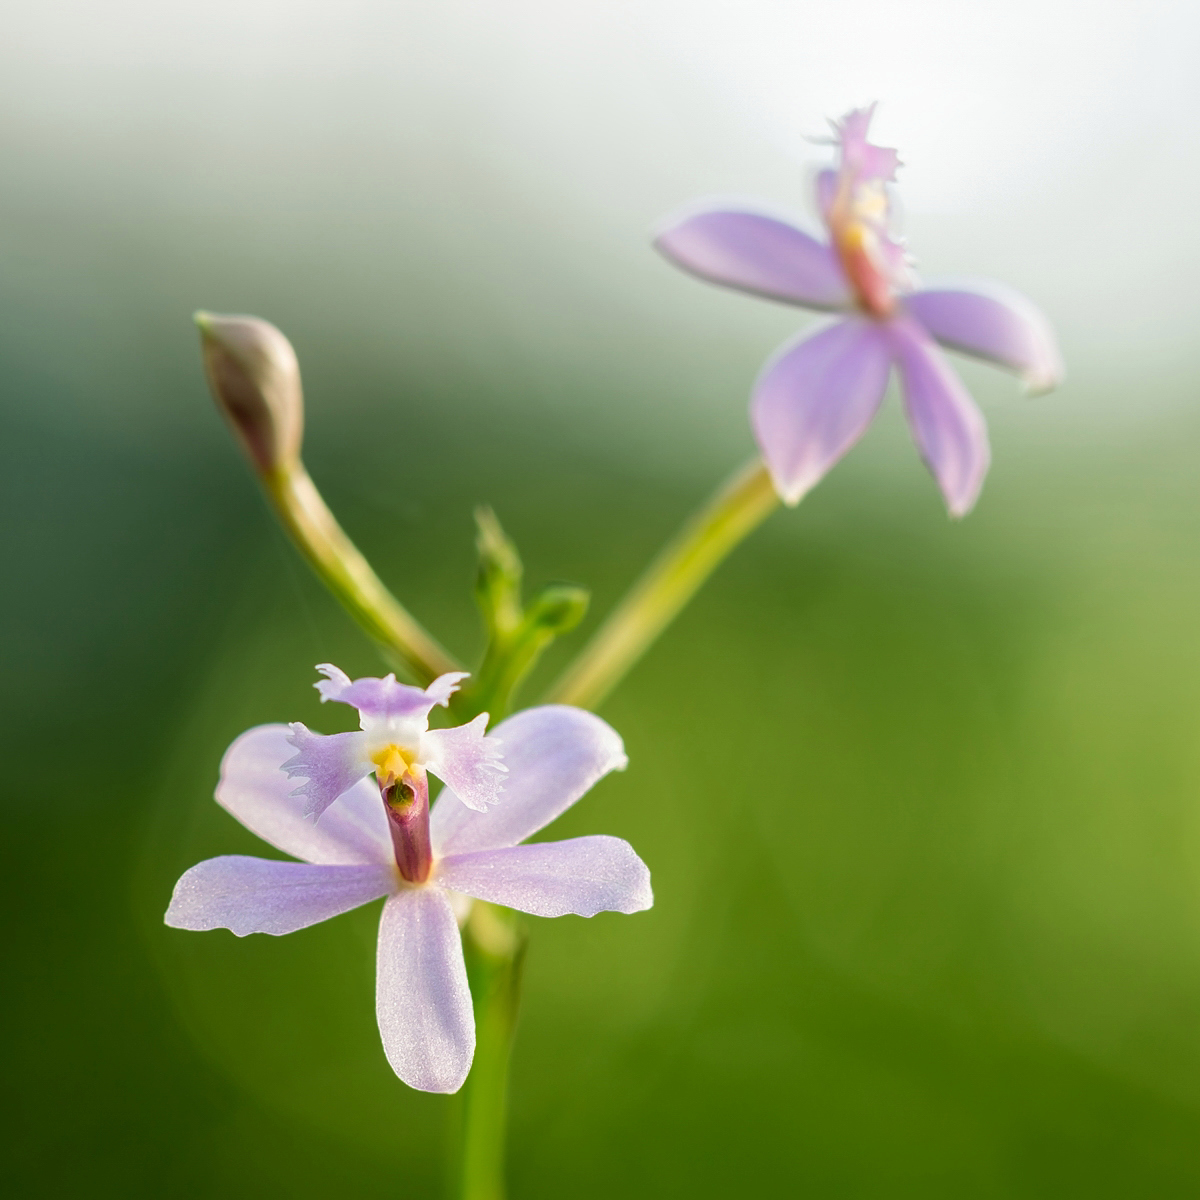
point(815, 398)
point(377, 836)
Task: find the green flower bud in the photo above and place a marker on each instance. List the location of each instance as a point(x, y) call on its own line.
point(255, 380)
point(558, 608)
point(498, 583)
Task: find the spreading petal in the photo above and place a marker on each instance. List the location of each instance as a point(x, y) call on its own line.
point(384, 699)
point(260, 895)
point(995, 323)
point(467, 761)
point(948, 428)
point(256, 790)
point(331, 763)
point(585, 875)
point(815, 399)
point(756, 253)
point(554, 754)
point(422, 1000)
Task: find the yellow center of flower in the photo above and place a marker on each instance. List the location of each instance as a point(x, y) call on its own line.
point(392, 762)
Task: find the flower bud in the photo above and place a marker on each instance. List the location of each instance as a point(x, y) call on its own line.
point(558, 608)
point(498, 583)
point(255, 380)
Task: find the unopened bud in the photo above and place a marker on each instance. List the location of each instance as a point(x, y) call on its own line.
point(255, 380)
point(559, 608)
point(498, 583)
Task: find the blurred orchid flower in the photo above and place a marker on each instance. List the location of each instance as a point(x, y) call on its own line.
point(382, 840)
point(815, 398)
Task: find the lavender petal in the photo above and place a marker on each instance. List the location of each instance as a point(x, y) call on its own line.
point(554, 754)
point(815, 399)
point(385, 698)
point(422, 1001)
point(256, 790)
point(331, 763)
point(948, 428)
point(995, 323)
point(756, 253)
point(584, 875)
point(260, 895)
point(467, 761)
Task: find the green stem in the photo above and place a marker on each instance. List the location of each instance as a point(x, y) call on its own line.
point(670, 581)
point(348, 575)
point(494, 946)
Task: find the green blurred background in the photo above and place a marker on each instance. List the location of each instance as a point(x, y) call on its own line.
point(921, 799)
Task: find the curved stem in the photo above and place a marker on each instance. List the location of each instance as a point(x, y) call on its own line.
point(670, 581)
point(348, 575)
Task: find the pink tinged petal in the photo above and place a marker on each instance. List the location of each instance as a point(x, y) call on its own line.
point(866, 160)
point(422, 1001)
point(259, 895)
point(554, 754)
point(331, 763)
point(384, 698)
point(467, 761)
point(949, 429)
point(995, 323)
point(757, 253)
point(815, 399)
point(256, 790)
point(585, 876)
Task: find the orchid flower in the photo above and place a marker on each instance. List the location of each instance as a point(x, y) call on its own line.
point(815, 398)
point(378, 837)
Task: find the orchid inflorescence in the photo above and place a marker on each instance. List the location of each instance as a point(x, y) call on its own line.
point(355, 808)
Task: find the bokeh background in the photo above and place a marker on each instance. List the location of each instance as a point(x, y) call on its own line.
point(921, 799)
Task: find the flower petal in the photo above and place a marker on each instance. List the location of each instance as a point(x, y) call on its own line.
point(815, 399)
point(256, 790)
point(756, 253)
point(422, 1000)
point(260, 895)
point(861, 157)
point(949, 429)
point(385, 698)
point(331, 763)
point(584, 875)
point(466, 760)
point(554, 754)
point(995, 323)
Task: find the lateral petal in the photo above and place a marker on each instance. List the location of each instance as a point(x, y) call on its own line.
point(995, 323)
point(260, 895)
point(756, 253)
point(331, 764)
point(467, 761)
point(584, 875)
point(947, 426)
point(256, 790)
point(815, 399)
point(554, 754)
point(422, 1000)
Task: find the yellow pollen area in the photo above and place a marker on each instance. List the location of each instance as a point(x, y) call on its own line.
point(392, 763)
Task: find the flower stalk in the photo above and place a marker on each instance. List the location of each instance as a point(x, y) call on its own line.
point(342, 568)
point(494, 941)
point(670, 581)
